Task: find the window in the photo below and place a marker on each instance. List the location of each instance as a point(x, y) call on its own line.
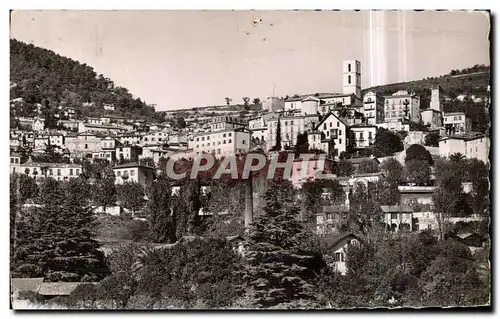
point(59, 172)
point(331, 124)
point(229, 134)
point(197, 139)
point(286, 123)
point(243, 142)
point(224, 142)
point(324, 126)
point(118, 173)
point(340, 132)
point(370, 135)
point(224, 135)
point(70, 171)
point(208, 138)
point(229, 141)
point(339, 257)
point(218, 151)
point(13, 170)
point(361, 135)
point(349, 79)
point(349, 67)
point(77, 171)
point(12, 161)
point(86, 146)
point(51, 172)
point(291, 122)
point(340, 141)
point(132, 173)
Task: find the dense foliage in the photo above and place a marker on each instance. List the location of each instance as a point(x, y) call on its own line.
point(42, 76)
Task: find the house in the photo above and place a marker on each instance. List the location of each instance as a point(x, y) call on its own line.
point(338, 247)
point(56, 139)
point(472, 146)
point(82, 144)
point(69, 112)
point(331, 218)
point(291, 125)
point(402, 105)
point(69, 124)
point(131, 139)
point(398, 217)
point(108, 107)
point(127, 152)
point(38, 124)
point(223, 123)
point(15, 162)
point(416, 194)
point(58, 171)
point(373, 108)
point(220, 143)
point(431, 118)
point(154, 138)
point(362, 135)
point(100, 128)
point(134, 172)
point(334, 135)
point(456, 123)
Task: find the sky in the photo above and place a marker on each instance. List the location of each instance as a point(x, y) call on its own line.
point(185, 59)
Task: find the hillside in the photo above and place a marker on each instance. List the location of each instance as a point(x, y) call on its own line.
point(39, 75)
point(470, 81)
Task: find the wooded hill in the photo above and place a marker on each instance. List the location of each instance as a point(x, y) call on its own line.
point(41, 76)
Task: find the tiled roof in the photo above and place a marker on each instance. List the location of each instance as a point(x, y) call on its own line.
point(333, 240)
point(359, 159)
point(50, 165)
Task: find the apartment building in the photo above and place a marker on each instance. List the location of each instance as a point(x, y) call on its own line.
point(363, 135)
point(471, 146)
point(402, 105)
point(456, 123)
point(290, 127)
point(373, 108)
point(221, 143)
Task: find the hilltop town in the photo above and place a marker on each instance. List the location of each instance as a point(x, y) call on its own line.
point(406, 160)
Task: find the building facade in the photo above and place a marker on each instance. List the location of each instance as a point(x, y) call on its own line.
point(471, 146)
point(456, 123)
point(402, 105)
point(221, 143)
point(373, 108)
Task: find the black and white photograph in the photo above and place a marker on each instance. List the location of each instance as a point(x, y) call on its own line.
point(250, 159)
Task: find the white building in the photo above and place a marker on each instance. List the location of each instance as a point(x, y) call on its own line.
point(436, 99)
point(133, 172)
point(220, 143)
point(456, 123)
point(57, 171)
point(363, 135)
point(431, 118)
point(38, 124)
point(290, 127)
point(351, 74)
point(471, 146)
point(373, 108)
point(334, 135)
point(402, 105)
point(223, 123)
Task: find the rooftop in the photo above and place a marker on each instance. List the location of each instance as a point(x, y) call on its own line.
point(50, 165)
point(131, 165)
point(57, 288)
point(396, 209)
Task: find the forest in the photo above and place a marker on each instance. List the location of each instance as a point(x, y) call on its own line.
point(42, 76)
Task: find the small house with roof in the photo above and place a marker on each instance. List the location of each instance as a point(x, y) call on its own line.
point(134, 172)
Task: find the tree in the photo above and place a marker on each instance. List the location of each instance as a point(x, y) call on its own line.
point(419, 153)
point(302, 146)
point(418, 172)
point(159, 210)
point(181, 123)
point(256, 101)
point(130, 195)
point(392, 172)
point(386, 143)
point(456, 157)
point(364, 211)
point(228, 100)
point(274, 269)
point(432, 139)
point(446, 198)
point(277, 146)
point(368, 166)
point(246, 101)
point(56, 241)
point(319, 193)
point(344, 168)
point(104, 191)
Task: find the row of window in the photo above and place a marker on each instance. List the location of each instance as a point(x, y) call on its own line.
point(455, 118)
point(208, 137)
point(50, 172)
point(218, 143)
point(394, 114)
point(331, 125)
point(14, 160)
point(125, 173)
